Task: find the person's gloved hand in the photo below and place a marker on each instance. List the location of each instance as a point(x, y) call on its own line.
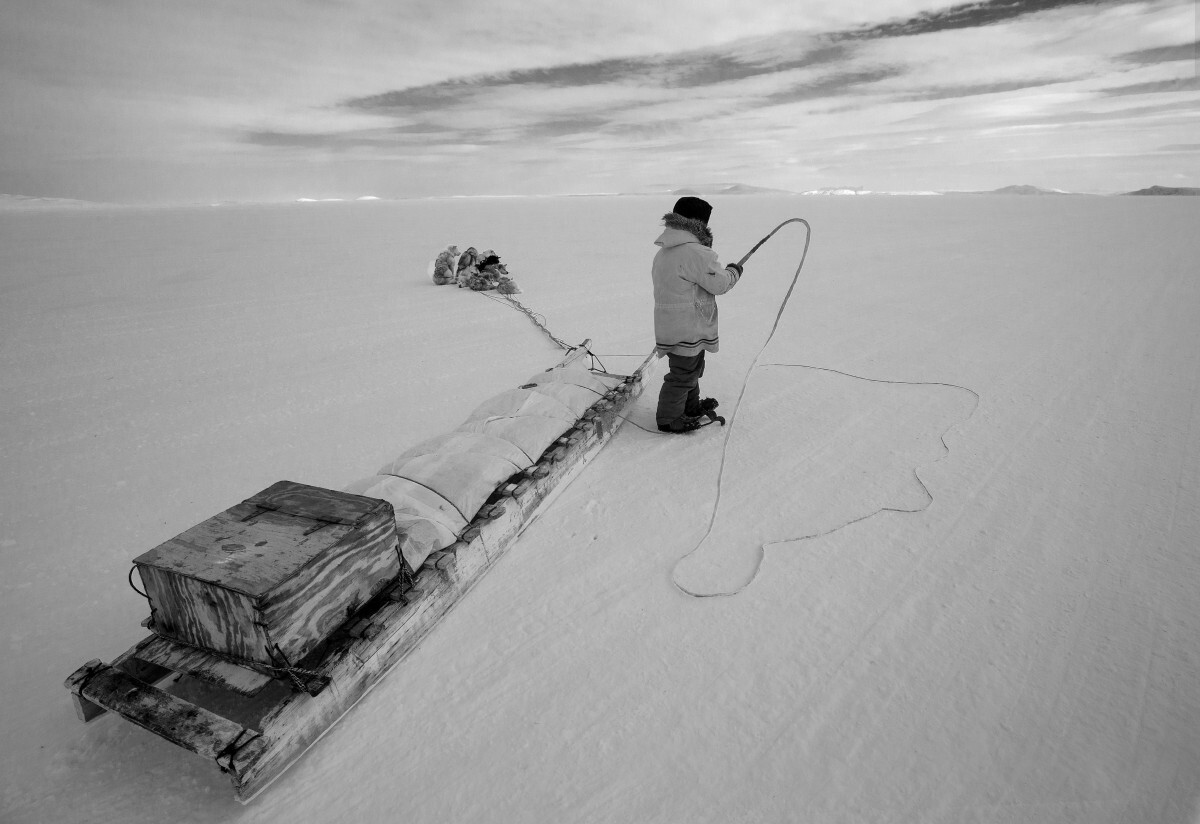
point(735, 267)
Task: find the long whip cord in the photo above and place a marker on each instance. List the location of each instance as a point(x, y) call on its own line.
point(712, 519)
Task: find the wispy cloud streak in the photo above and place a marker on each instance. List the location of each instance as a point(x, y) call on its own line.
point(970, 16)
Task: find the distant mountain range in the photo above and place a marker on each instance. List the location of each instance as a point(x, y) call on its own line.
point(1019, 189)
point(836, 191)
point(25, 202)
point(1035, 190)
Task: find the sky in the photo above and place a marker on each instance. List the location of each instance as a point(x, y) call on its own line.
point(162, 101)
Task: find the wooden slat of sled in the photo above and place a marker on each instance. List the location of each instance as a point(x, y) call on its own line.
point(180, 722)
point(200, 664)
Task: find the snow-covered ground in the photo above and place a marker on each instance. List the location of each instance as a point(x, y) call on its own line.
point(1022, 645)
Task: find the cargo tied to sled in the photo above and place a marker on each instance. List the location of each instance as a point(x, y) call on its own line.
point(273, 618)
point(269, 579)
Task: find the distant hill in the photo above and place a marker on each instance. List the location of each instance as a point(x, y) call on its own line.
point(701, 189)
point(838, 190)
point(26, 202)
point(835, 191)
point(1028, 190)
point(1016, 190)
point(1166, 190)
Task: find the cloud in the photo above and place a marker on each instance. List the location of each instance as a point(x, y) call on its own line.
point(371, 139)
point(969, 16)
point(574, 75)
point(562, 127)
point(1174, 84)
point(970, 90)
point(836, 84)
point(689, 70)
point(432, 96)
point(1163, 54)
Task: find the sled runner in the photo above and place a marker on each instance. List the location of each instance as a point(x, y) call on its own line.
point(273, 618)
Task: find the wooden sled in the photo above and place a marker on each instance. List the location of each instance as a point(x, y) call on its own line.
point(252, 721)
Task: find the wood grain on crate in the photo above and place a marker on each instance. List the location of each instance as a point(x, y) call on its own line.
point(250, 579)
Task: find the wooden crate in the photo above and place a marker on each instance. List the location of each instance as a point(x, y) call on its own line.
point(271, 578)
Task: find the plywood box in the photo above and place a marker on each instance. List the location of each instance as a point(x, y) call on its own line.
point(271, 578)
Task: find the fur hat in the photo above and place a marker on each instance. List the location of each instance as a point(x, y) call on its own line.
point(699, 229)
point(694, 208)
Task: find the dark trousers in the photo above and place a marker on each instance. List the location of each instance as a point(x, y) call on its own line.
point(681, 386)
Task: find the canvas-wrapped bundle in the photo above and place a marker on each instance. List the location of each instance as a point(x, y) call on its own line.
point(518, 402)
point(463, 479)
point(575, 397)
point(465, 442)
point(425, 521)
point(581, 378)
point(439, 485)
point(435, 496)
point(532, 434)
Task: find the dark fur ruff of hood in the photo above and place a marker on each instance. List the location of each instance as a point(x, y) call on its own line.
point(689, 224)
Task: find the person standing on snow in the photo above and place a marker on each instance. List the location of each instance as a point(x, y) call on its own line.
point(687, 278)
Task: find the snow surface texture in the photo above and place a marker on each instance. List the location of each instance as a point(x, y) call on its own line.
point(1026, 647)
point(859, 445)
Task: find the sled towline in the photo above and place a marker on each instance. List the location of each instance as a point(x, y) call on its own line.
point(272, 619)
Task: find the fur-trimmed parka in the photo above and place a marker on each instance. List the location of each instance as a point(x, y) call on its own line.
point(687, 278)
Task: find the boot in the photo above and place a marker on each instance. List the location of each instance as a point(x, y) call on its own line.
point(684, 423)
point(702, 407)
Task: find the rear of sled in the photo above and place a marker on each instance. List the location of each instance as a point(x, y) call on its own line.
point(254, 719)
